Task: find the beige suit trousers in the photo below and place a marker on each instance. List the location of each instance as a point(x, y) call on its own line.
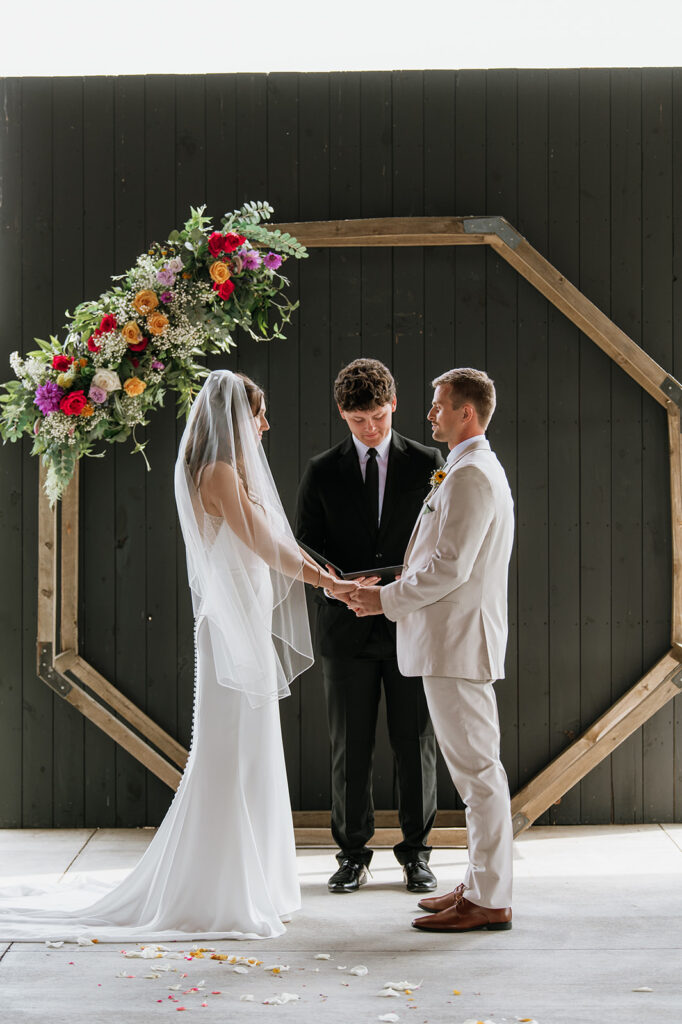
point(466, 723)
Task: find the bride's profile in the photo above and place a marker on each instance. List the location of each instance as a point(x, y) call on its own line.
point(222, 863)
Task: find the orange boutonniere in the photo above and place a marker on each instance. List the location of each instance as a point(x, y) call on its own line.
point(437, 477)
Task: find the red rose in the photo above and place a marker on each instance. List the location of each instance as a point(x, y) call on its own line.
point(107, 323)
point(224, 290)
point(232, 242)
point(140, 345)
point(215, 243)
point(134, 361)
point(92, 347)
point(73, 403)
point(62, 363)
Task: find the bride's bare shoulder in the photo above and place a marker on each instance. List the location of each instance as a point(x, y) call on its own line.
point(217, 474)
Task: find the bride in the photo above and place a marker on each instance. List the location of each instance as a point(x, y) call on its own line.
point(222, 863)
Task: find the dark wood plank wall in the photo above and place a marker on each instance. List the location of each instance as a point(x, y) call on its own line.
point(585, 163)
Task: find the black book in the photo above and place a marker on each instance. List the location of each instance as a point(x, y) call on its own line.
point(386, 573)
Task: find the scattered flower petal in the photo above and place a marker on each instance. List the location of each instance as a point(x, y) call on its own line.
point(285, 997)
point(389, 1018)
point(360, 971)
point(276, 968)
point(322, 956)
point(643, 988)
point(342, 968)
point(240, 970)
point(124, 974)
point(402, 986)
point(83, 940)
point(54, 945)
point(247, 999)
point(389, 992)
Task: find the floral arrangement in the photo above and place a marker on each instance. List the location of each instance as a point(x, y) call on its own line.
point(437, 477)
point(122, 352)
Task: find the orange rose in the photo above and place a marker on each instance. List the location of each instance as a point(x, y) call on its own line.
point(83, 362)
point(186, 276)
point(134, 386)
point(157, 323)
point(131, 332)
point(145, 301)
point(219, 271)
point(88, 409)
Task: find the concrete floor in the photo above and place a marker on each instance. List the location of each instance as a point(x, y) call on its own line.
point(597, 915)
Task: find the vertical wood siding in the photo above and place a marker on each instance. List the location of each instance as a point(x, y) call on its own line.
point(586, 164)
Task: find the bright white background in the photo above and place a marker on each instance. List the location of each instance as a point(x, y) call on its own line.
point(97, 37)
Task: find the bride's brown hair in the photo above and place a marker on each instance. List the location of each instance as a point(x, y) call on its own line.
point(197, 454)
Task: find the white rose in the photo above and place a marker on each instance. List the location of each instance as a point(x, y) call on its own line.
point(107, 380)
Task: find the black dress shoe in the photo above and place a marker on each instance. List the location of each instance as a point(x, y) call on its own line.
point(349, 877)
point(419, 877)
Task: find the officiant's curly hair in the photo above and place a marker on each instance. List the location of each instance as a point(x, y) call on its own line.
point(472, 386)
point(364, 384)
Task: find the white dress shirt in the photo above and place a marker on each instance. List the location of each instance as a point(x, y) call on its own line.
point(455, 452)
point(382, 451)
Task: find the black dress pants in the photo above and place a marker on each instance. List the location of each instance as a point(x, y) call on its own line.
point(353, 690)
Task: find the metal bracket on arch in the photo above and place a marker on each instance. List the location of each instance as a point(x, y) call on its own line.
point(493, 226)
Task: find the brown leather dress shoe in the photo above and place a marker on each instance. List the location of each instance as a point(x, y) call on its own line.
point(434, 904)
point(465, 917)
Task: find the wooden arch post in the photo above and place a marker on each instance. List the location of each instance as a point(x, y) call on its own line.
point(72, 678)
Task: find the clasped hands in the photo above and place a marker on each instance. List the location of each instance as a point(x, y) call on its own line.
point(362, 595)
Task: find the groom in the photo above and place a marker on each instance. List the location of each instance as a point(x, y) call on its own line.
point(356, 506)
point(450, 605)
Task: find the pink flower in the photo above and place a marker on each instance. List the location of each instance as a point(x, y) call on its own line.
point(156, 365)
point(272, 260)
point(97, 395)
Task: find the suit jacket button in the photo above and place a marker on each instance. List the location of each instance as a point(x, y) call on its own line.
point(378, 555)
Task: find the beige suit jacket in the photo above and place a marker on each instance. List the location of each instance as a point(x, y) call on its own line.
point(450, 604)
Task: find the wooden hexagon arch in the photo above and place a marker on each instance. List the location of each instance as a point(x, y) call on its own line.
point(68, 674)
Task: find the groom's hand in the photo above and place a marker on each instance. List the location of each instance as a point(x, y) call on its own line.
point(366, 601)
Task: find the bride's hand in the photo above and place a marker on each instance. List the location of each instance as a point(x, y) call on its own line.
point(342, 590)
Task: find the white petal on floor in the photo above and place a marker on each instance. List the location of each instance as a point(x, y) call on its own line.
point(54, 945)
point(322, 956)
point(404, 986)
point(247, 998)
point(360, 971)
point(285, 997)
point(389, 992)
point(389, 1018)
point(643, 988)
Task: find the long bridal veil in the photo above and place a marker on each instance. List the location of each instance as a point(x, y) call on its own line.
point(223, 862)
point(220, 453)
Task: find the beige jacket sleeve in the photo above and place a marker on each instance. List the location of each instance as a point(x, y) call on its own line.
point(440, 564)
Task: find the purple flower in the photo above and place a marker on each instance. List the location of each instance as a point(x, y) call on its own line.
point(98, 395)
point(156, 365)
point(165, 277)
point(48, 396)
point(272, 260)
point(166, 297)
point(252, 259)
point(175, 264)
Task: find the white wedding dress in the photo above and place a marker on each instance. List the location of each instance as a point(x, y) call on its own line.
point(222, 864)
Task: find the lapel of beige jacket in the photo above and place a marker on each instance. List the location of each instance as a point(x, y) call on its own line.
point(481, 444)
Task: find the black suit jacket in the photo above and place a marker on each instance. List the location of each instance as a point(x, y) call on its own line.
point(332, 517)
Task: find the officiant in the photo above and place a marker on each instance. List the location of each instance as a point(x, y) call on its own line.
point(357, 505)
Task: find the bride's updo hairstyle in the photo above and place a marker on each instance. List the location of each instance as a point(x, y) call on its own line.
point(203, 448)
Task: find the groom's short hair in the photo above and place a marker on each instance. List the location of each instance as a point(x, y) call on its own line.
point(364, 384)
point(473, 386)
